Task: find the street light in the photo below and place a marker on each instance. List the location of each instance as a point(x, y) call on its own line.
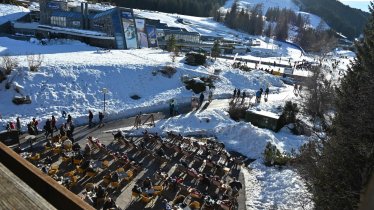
point(105, 91)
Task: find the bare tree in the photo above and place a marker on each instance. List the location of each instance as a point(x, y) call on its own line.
point(35, 61)
point(8, 64)
point(320, 97)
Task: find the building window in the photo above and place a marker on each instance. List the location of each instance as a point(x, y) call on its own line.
point(58, 21)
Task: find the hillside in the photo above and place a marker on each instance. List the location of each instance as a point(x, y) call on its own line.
point(340, 17)
point(185, 7)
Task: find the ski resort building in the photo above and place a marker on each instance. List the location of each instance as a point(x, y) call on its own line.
point(100, 25)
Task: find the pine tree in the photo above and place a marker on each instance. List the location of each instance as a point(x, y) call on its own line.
point(171, 44)
point(281, 29)
point(340, 167)
point(216, 50)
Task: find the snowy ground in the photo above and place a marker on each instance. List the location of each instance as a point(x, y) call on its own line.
point(11, 12)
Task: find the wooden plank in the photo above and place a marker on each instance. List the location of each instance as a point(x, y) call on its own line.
point(15, 194)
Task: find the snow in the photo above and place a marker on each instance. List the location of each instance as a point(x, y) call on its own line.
point(282, 4)
point(11, 12)
point(274, 188)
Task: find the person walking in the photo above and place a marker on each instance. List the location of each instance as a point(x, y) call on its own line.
point(295, 89)
point(101, 117)
point(70, 119)
point(299, 90)
point(238, 93)
point(243, 97)
point(18, 125)
point(210, 97)
point(234, 93)
point(201, 98)
point(258, 96)
point(48, 129)
point(34, 124)
point(53, 124)
point(63, 113)
point(267, 92)
point(171, 107)
point(90, 117)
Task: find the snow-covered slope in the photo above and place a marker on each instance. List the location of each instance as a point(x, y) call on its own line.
point(286, 4)
point(11, 12)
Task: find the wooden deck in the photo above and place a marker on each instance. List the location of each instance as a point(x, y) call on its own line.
point(15, 194)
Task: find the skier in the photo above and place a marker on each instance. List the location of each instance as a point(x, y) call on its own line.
point(234, 93)
point(238, 93)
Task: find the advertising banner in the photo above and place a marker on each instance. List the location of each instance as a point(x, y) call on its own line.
point(152, 36)
point(142, 36)
point(129, 30)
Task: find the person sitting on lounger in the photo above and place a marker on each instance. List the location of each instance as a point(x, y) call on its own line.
point(136, 189)
point(147, 183)
point(114, 177)
point(118, 135)
point(84, 165)
point(109, 204)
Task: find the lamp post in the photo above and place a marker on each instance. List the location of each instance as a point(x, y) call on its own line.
point(105, 91)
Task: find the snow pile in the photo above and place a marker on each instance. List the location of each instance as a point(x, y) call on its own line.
point(273, 188)
point(11, 12)
point(237, 136)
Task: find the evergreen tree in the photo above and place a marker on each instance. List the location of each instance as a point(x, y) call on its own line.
point(216, 49)
point(171, 44)
point(231, 16)
point(339, 168)
point(269, 30)
point(281, 30)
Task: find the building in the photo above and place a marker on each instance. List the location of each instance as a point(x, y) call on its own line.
point(100, 25)
point(262, 119)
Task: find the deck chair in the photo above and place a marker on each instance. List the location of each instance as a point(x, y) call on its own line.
point(53, 170)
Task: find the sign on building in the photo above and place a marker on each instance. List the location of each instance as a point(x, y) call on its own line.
point(129, 29)
point(142, 36)
point(152, 36)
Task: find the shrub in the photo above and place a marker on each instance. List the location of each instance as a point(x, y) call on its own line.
point(288, 116)
point(34, 62)
point(237, 111)
point(168, 71)
point(272, 156)
point(2, 76)
point(195, 85)
point(195, 59)
point(8, 64)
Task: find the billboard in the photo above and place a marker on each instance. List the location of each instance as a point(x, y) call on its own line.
point(152, 36)
point(142, 36)
point(53, 5)
point(129, 30)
